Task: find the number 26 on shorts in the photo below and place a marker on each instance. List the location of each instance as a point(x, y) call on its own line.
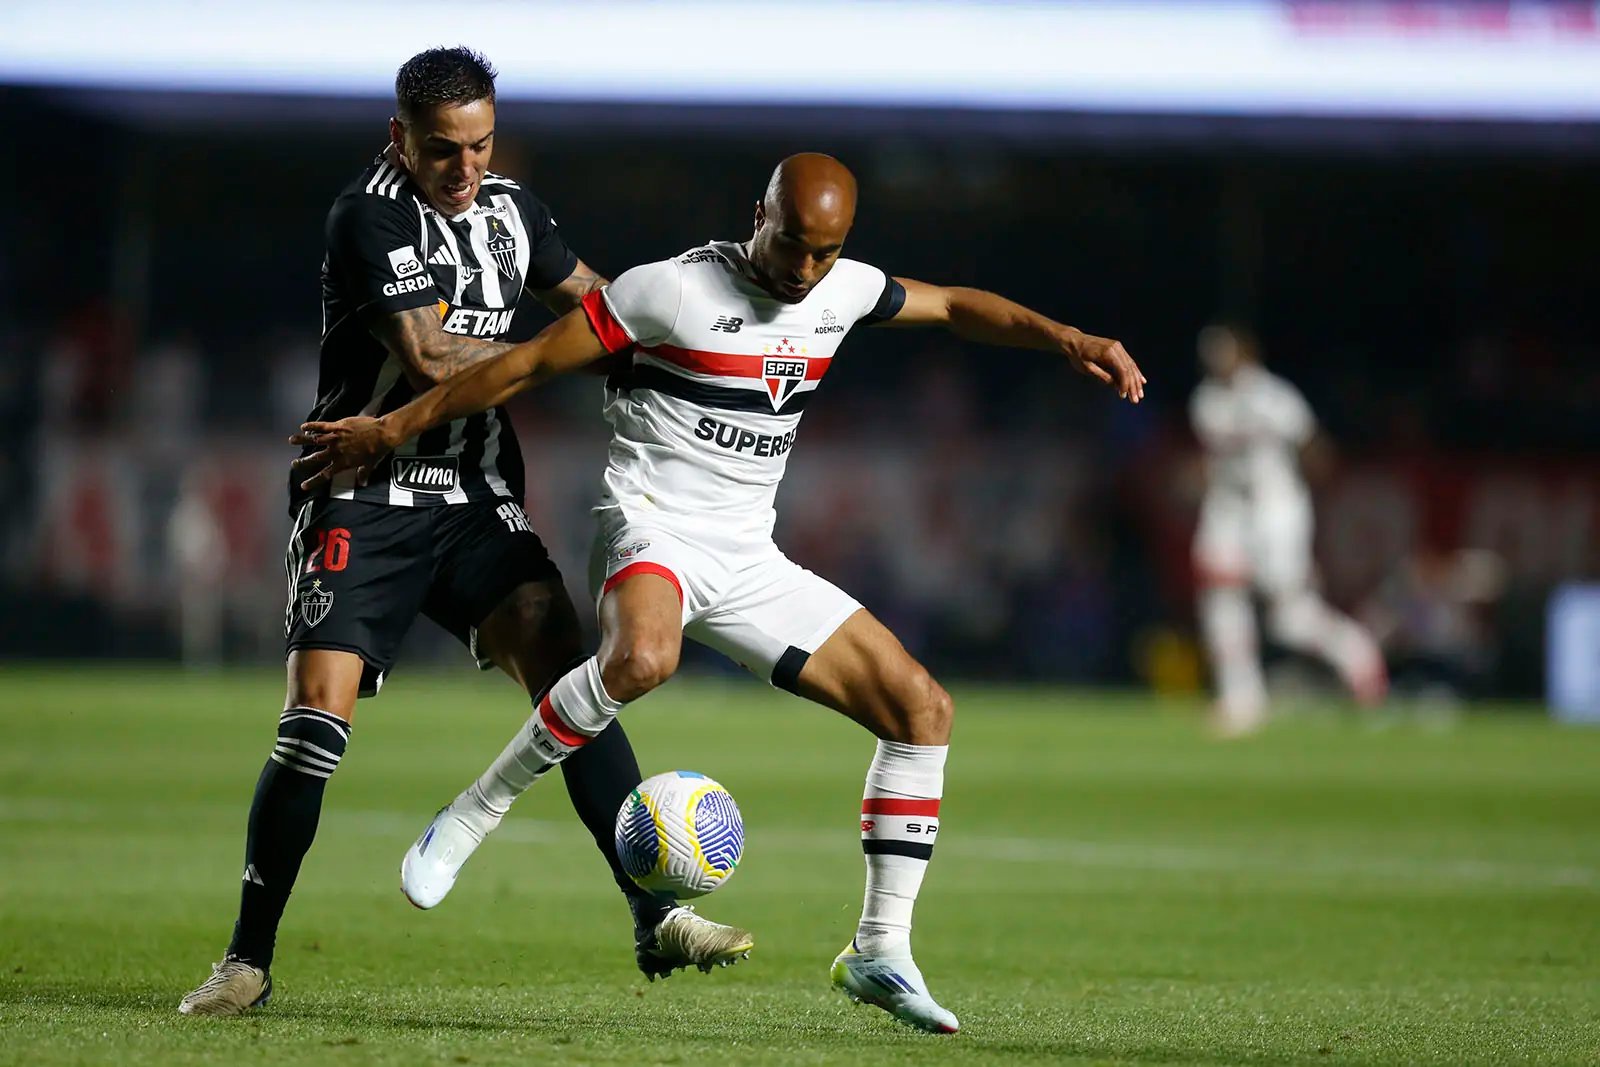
point(331, 552)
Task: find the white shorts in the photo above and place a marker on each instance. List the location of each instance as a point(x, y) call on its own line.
point(1267, 544)
point(742, 597)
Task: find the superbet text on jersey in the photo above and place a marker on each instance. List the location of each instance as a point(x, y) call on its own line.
point(705, 415)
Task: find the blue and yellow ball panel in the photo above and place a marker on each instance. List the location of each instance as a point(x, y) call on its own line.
point(679, 834)
point(719, 829)
point(639, 844)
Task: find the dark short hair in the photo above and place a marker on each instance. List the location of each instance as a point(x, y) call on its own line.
point(442, 76)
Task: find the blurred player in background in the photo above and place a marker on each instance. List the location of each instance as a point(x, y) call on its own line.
point(429, 254)
point(733, 340)
point(1255, 533)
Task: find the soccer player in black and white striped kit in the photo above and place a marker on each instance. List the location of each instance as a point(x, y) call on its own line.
point(428, 257)
point(727, 345)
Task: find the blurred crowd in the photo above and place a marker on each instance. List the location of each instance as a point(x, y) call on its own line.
point(1007, 518)
point(1036, 537)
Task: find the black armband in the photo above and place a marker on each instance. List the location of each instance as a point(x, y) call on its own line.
point(889, 303)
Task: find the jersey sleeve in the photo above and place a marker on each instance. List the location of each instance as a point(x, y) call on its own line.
point(550, 261)
point(372, 252)
point(880, 297)
point(640, 307)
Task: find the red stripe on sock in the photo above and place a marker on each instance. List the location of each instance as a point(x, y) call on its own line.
point(558, 728)
point(896, 806)
point(642, 567)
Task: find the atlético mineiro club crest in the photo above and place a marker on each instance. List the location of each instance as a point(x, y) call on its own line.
point(315, 603)
point(783, 369)
point(503, 246)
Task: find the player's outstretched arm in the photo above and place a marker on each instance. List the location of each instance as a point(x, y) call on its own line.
point(561, 299)
point(979, 315)
point(357, 443)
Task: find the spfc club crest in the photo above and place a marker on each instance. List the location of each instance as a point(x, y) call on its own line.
point(628, 551)
point(315, 603)
point(503, 246)
point(783, 369)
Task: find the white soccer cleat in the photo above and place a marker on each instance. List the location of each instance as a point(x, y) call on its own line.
point(429, 871)
point(894, 984)
point(684, 939)
point(1237, 718)
point(233, 989)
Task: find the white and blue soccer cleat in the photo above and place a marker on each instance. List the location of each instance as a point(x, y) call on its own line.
point(893, 984)
point(429, 870)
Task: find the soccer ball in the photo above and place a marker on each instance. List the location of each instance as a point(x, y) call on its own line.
point(679, 834)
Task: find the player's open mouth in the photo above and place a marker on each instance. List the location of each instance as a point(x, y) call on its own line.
point(458, 193)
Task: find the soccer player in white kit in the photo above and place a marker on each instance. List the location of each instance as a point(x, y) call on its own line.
point(729, 342)
point(1255, 532)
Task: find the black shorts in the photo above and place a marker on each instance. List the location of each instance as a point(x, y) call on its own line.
point(360, 573)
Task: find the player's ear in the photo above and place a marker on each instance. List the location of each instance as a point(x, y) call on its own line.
point(761, 215)
point(397, 133)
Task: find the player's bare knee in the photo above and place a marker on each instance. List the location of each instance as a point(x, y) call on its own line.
point(631, 668)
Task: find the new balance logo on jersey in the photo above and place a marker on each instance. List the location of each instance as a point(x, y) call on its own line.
point(735, 439)
point(424, 474)
point(513, 517)
point(830, 323)
point(477, 323)
point(727, 324)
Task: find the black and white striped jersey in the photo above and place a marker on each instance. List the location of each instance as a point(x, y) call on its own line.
point(389, 250)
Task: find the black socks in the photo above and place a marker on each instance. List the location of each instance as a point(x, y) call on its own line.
point(283, 822)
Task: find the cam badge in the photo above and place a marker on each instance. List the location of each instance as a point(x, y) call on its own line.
point(315, 603)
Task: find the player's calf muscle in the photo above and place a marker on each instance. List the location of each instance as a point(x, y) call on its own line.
point(919, 711)
point(532, 634)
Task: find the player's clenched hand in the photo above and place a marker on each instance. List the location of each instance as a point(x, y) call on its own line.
point(1107, 360)
point(356, 443)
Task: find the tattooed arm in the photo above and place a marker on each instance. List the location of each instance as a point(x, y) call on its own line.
point(564, 297)
point(428, 354)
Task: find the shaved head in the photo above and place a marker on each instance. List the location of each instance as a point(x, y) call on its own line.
point(812, 188)
point(801, 223)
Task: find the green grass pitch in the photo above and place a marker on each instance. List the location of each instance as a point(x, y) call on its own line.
point(1111, 887)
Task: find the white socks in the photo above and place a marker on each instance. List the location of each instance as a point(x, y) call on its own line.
point(899, 825)
point(1301, 621)
point(575, 710)
point(1228, 623)
point(1306, 623)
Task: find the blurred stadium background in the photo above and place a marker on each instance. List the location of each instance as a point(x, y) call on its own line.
point(1398, 195)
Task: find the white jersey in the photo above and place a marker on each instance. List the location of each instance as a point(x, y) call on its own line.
point(1252, 428)
point(705, 414)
